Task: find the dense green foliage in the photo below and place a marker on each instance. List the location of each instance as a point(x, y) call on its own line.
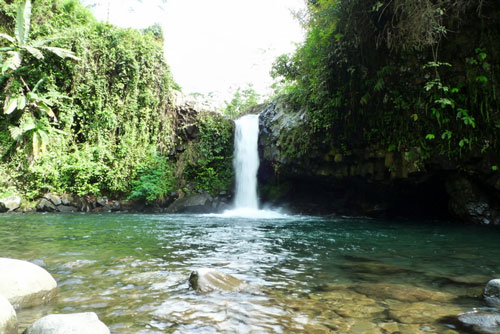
point(403, 74)
point(207, 162)
point(102, 123)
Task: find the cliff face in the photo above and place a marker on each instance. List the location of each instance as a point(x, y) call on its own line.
point(370, 181)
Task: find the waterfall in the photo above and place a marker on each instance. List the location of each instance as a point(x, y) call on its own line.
point(246, 165)
point(246, 162)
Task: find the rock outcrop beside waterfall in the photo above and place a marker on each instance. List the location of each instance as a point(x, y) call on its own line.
point(321, 178)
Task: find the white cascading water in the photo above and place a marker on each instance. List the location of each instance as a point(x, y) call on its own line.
point(246, 162)
point(246, 165)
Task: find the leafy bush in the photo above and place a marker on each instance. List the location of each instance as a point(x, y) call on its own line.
point(155, 179)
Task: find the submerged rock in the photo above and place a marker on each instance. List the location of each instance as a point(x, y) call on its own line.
point(25, 284)
point(481, 322)
point(491, 293)
point(402, 292)
point(421, 312)
point(207, 280)
point(8, 318)
point(197, 203)
point(10, 203)
point(77, 323)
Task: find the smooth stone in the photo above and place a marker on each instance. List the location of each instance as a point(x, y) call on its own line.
point(207, 280)
point(10, 203)
point(491, 293)
point(77, 323)
point(481, 322)
point(25, 284)
point(8, 318)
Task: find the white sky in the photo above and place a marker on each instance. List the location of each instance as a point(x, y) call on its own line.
point(215, 45)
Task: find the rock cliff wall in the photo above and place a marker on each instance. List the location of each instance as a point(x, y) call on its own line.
point(371, 181)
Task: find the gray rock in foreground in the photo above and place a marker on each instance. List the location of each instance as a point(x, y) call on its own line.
point(207, 280)
point(8, 318)
point(198, 203)
point(25, 284)
point(77, 323)
point(10, 203)
point(491, 293)
point(481, 322)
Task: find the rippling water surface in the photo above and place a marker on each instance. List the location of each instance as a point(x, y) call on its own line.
point(306, 275)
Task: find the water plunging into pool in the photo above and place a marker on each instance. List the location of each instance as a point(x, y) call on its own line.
point(246, 165)
point(246, 162)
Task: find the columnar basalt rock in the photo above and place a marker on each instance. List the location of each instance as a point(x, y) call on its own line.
point(312, 176)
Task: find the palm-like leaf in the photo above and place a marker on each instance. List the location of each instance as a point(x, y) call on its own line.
point(8, 37)
point(63, 53)
point(33, 51)
point(23, 19)
point(13, 62)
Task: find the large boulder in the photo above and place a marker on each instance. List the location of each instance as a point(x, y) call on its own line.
point(8, 318)
point(10, 203)
point(77, 323)
point(469, 202)
point(56, 200)
point(25, 284)
point(198, 203)
point(44, 205)
point(480, 322)
point(491, 293)
point(207, 280)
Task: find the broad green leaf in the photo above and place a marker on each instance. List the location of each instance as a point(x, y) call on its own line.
point(16, 133)
point(34, 51)
point(33, 96)
point(8, 37)
point(46, 109)
point(38, 43)
point(36, 145)
point(44, 137)
point(63, 53)
point(21, 102)
point(23, 19)
point(13, 62)
point(28, 125)
point(10, 105)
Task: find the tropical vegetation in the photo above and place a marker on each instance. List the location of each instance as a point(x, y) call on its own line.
point(404, 75)
point(87, 108)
